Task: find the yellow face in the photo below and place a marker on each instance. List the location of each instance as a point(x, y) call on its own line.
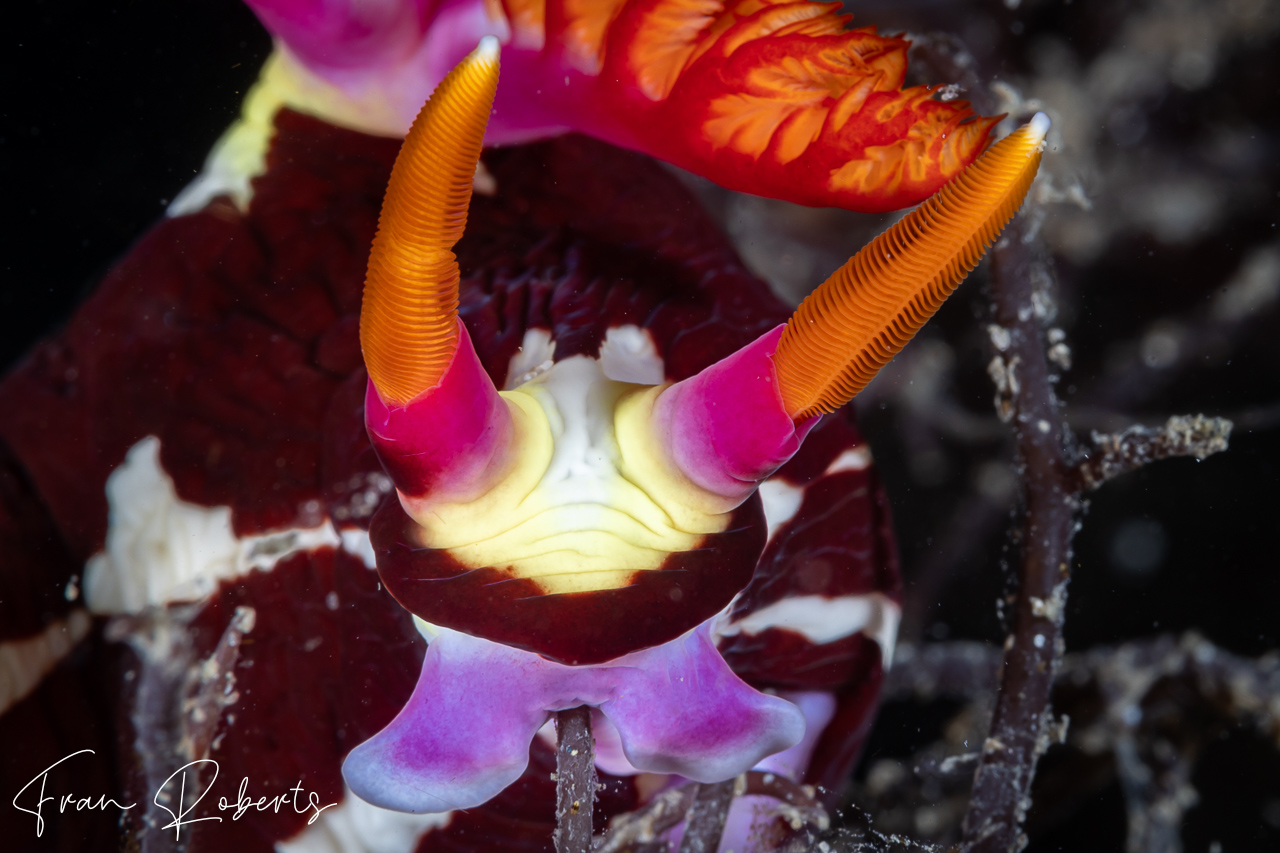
point(591, 499)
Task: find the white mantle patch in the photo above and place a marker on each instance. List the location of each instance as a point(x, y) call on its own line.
point(535, 357)
point(781, 503)
point(354, 826)
point(823, 620)
point(24, 662)
point(854, 459)
point(629, 355)
point(161, 548)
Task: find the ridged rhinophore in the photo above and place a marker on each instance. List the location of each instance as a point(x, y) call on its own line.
point(859, 318)
point(408, 320)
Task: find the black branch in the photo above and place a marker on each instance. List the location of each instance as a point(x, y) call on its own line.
point(576, 780)
point(1022, 720)
point(710, 812)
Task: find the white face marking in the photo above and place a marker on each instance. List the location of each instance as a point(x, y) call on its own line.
point(354, 826)
point(537, 351)
point(24, 662)
point(161, 548)
point(823, 620)
point(629, 355)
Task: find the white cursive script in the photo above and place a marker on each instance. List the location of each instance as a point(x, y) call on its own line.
point(66, 800)
point(173, 797)
point(163, 793)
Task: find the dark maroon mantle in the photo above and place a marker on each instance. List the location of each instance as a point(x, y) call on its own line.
point(233, 338)
point(575, 628)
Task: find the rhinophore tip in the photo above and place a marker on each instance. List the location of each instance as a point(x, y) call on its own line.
point(487, 51)
point(1036, 128)
point(409, 317)
point(859, 319)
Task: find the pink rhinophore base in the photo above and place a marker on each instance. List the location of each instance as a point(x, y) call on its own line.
point(726, 427)
point(465, 733)
point(451, 441)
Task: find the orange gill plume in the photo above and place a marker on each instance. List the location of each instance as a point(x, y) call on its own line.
point(860, 317)
point(408, 320)
point(779, 98)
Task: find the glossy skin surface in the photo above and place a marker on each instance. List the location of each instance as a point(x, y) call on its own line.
point(232, 338)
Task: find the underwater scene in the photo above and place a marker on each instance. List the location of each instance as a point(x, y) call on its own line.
point(643, 426)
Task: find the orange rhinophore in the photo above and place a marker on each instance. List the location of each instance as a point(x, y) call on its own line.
point(408, 320)
point(859, 318)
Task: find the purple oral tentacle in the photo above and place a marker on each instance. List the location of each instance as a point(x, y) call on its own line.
point(464, 735)
point(680, 709)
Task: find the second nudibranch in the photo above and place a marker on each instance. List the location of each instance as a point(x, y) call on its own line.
point(569, 540)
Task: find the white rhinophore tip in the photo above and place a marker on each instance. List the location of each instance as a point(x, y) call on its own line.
point(1039, 126)
point(488, 49)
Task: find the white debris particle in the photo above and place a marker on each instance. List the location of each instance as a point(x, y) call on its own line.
point(331, 600)
point(1060, 354)
point(949, 92)
point(1052, 608)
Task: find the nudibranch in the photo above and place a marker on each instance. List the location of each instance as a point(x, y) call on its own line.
point(780, 99)
point(571, 539)
point(190, 450)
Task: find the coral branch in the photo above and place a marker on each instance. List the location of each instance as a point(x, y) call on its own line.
point(1150, 731)
point(639, 830)
point(1002, 784)
point(709, 814)
point(217, 685)
point(1142, 714)
point(1119, 453)
point(1020, 282)
point(934, 670)
point(859, 837)
point(576, 781)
